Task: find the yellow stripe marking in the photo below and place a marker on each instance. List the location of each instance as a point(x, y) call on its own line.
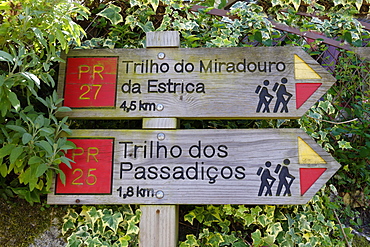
point(306, 155)
point(302, 70)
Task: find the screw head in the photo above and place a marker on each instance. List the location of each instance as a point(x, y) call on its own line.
point(161, 55)
point(161, 136)
point(160, 107)
point(159, 194)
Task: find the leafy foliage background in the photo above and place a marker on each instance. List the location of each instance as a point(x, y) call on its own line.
point(33, 34)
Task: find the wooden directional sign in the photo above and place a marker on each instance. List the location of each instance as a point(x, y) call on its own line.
point(363, 52)
point(238, 83)
point(267, 166)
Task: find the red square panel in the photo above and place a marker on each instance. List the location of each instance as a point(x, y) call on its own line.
point(92, 172)
point(90, 82)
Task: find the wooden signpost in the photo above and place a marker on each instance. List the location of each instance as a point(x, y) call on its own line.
point(194, 167)
point(232, 83)
point(161, 167)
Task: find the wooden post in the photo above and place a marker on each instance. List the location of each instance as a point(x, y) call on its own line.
point(159, 223)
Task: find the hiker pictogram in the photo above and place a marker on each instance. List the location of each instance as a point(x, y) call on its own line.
point(284, 175)
point(267, 180)
point(264, 97)
point(282, 96)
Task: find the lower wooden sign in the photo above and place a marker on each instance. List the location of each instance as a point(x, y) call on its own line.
point(229, 166)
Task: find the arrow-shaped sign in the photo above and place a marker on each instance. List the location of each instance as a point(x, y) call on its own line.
point(237, 82)
point(363, 52)
point(255, 166)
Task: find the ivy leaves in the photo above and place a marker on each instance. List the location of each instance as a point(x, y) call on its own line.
point(112, 13)
point(115, 226)
point(237, 225)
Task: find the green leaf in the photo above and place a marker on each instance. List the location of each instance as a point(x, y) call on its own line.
point(111, 220)
point(66, 161)
point(190, 217)
point(3, 170)
point(154, 4)
point(112, 13)
point(67, 224)
point(14, 101)
point(63, 109)
point(16, 152)
point(49, 178)
point(248, 219)
point(26, 138)
point(74, 241)
point(216, 239)
point(6, 150)
point(39, 122)
point(191, 240)
point(39, 36)
point(348, 37)
point(47, 131)
point(46, 146)
point(274, 228)
point(4, 56)
point(60, 36)
point(303, 223)
point(5, 6)
point(263, 220)
point(91, 213)
point(296, 4)
point(16, 128)
point(147, 27)
point(124, 241)
point(41, 169)
point(35, 160)
point(132, 228)
point(256, 236)
point(93, 242)
point(344, 145)
point(258, 36)
point(256, 211)
point(31, 77)
point(62, 177)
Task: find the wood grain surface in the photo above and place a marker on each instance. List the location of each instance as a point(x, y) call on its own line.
point(204, 167)
point(197, 83)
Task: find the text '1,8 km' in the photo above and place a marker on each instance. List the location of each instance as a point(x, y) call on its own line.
point(233, 83)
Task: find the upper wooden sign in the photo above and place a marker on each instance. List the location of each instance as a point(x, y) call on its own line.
point(231, 166)
point(233, 83)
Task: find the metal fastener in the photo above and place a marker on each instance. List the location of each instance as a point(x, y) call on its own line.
point(161, 55)
point(78, 201)
point(161, 136)
point(160, 107)
point(159, 194)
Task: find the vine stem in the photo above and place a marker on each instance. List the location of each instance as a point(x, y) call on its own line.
point(352, 120)
point(341, 228)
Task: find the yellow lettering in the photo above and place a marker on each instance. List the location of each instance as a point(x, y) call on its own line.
point(90, 175)
point(74, 182)
point(93, 154)
point(88, 88)
point(96, 71)
point(74, 153)
point(83, 69)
